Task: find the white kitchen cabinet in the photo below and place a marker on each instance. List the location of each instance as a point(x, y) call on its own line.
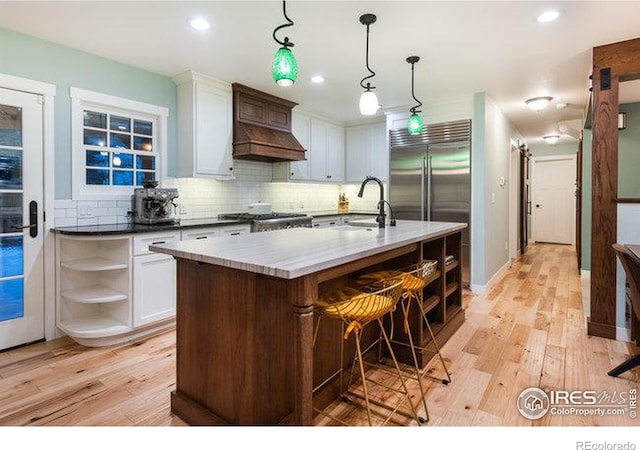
point(205, 121)
point(154, 278)
point(235, 230)
point(296, 170)
point(324, 142)
point(367, 152)
point(326, 221)
point(210, 232)
point(327, 151)
point(154, 288)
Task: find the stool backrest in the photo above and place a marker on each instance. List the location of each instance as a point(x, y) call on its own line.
point(631, 264)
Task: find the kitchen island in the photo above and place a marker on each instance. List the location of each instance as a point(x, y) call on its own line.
point(245, 317)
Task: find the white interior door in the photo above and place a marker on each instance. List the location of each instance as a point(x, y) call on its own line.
point(553, 199)
point(21, 219)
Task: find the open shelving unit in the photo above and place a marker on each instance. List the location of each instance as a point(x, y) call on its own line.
point(93, 286)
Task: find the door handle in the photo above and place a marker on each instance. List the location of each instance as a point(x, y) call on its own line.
point(33, 220)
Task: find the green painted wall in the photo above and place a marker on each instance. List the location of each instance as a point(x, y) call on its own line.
point(629, 153)
point(477, 191)
point(586, 200)
point(492, 135)
point(37, 59)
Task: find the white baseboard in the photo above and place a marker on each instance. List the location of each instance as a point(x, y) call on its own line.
point(622, 334)
point(484, 288)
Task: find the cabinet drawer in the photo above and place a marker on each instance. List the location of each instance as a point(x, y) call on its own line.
point(141, 243)
point(200, 233)
point(235, 230)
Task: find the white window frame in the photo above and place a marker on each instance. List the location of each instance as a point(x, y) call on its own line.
point(82, 99)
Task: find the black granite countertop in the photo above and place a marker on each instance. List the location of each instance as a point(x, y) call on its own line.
point(126, 228)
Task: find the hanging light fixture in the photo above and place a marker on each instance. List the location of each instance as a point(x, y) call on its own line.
point(414, 125)
point(284, 68)
point(368, 100)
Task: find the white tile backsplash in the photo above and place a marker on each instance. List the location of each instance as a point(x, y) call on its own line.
point(203, 198)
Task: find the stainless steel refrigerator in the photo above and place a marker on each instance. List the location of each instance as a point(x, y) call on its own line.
point(430, 177)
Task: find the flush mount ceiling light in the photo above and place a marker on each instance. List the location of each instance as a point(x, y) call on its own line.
point(317, 79)
point(414, 125)
point(548, 16)
point(368, 100)
point(198, 23)
point(284, 67)
point(551, 139)
point(538, 103)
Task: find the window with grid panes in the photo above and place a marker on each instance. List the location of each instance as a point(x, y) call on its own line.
point(117, 144)
point(119, 149)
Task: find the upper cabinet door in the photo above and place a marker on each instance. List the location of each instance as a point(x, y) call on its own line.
point(318, 150)
point(367, 152)
point(301, 129)
point(335, 154)
point(358, 154)
point(205, 132)
point(213, 131)
point(379, 151)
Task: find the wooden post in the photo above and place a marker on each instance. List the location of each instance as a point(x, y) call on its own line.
point(622, 60)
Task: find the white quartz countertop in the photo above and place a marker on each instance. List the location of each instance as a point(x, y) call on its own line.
point(295, 252)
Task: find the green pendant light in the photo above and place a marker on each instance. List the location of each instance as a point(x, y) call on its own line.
point(414, 125)
point(284, 68)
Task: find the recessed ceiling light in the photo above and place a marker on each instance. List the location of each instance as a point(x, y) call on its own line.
point(317, 79)
point(538, 103)
point(552, 139)
point(562, 105)
point(198, 23)
point(548, 16)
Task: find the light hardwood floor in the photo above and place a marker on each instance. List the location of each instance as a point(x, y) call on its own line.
point(529, 331)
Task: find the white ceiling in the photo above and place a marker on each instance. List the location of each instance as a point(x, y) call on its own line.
point(465, 47)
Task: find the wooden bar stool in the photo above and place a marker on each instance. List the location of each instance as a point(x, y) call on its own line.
point(414, 279)
point(357, 308)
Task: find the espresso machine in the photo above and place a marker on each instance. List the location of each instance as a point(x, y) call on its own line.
point(153, 205)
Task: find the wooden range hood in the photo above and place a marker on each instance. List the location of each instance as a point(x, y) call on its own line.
point(262, 127)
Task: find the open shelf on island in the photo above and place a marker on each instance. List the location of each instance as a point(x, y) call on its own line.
point(94, 294)
point(451, 288)
point(430, 303)
point(452, 265)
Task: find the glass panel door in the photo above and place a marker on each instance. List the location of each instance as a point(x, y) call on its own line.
point(11, 214)
point(21, 180)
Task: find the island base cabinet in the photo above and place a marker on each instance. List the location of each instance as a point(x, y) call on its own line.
point(245, 351)
point(235, 347)
point(154, 290)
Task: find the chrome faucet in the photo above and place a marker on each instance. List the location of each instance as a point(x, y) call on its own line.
point(381, 217)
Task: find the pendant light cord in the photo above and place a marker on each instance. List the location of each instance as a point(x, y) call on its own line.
point(368, 86)
point(286, 42)
point(413, 109)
